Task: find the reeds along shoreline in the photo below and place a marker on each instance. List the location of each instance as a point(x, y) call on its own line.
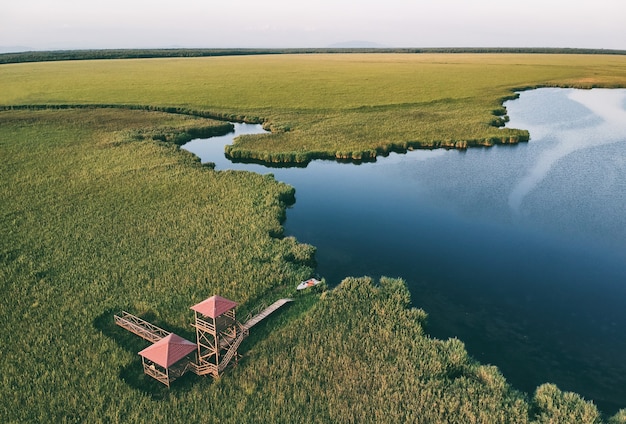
point(237, 154)
point(93, 222)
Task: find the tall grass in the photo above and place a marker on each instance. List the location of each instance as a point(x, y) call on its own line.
point(95, 217)
point(99, 211)
point(94, 221)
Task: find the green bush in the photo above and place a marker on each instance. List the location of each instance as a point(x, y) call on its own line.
point(554, 406)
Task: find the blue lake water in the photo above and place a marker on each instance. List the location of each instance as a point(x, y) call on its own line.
point(519, 251)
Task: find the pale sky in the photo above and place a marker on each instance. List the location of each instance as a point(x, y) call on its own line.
point(85, 24)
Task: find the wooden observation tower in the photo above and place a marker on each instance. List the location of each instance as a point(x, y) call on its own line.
point(218, 335)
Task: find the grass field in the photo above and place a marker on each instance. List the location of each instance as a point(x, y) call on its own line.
point(350, 106)
point(98, 214)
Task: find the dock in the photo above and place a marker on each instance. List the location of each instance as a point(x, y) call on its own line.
point(265, 313)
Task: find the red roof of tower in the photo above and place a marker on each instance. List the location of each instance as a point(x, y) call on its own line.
point(169, 350)
point(214, 306)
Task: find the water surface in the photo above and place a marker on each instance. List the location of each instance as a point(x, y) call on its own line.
point(519, 251)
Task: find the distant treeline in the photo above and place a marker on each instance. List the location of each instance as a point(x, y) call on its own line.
point(47, 56)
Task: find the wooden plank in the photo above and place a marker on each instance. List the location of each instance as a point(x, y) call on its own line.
point(204, 369)
point(266, 312)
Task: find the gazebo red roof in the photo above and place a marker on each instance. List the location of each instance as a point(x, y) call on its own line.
point(169, 350)
point(214, 306)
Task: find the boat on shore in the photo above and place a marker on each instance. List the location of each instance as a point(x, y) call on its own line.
point(308, 283)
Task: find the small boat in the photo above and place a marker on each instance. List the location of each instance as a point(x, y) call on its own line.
point(308, 283)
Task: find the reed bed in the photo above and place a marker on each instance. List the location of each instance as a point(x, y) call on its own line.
point(101, 211)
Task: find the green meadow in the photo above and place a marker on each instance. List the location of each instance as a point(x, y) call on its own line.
point(101, 211)
point(351, 106)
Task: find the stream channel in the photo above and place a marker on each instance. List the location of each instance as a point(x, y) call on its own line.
point(519, 251)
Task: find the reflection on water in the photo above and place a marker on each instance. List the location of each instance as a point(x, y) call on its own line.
point(519, 251)
point(604, 124)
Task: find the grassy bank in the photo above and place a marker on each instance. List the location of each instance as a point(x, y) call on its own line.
point(352, 106)
point(97, 215)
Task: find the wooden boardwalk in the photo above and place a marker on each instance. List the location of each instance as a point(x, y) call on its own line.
point(153, 334)
point(264, 313)
point(142, 328)
point(228, 342)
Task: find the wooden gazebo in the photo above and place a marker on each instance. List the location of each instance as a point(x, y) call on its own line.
point(218, 335)
point(168, 359)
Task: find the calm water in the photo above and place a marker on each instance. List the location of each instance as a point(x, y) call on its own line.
point(519, 251)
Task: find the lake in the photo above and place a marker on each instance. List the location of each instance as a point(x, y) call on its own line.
point(519, 251)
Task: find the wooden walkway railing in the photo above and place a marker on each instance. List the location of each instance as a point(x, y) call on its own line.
point(264, 313)
point(142, 328)
point(204, 368)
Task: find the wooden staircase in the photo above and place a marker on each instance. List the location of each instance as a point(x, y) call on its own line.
point(206, 368)
point(232, 349)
